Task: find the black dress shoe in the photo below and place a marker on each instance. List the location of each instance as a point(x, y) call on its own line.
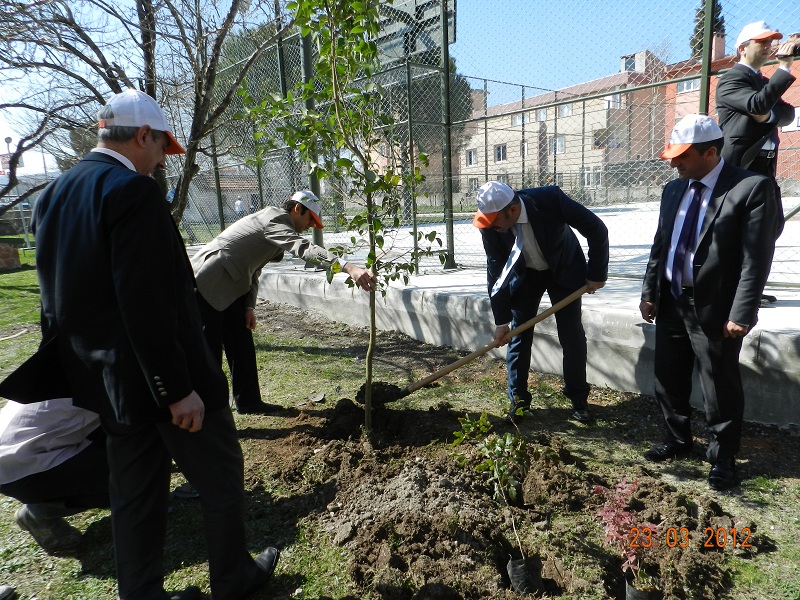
point(190, 593)
point(667, 450)
point(265, 562)
point(723, 474)
point(259, 408)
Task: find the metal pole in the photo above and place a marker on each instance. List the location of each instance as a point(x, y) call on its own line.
point(215, 164)
point(450, 262)
point(313, 180)
point(523, 146)
point(486, 131)
point(412, 165)
point(294, 182)
point(705, 69)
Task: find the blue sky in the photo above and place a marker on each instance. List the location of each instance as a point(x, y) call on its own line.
point(556, 43)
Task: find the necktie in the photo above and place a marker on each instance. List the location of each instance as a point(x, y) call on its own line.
point(688, 236)
point(516, 252)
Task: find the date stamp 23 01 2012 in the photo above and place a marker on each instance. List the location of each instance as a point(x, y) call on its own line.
point(683, 537)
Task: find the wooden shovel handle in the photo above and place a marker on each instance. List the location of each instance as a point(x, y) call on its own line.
point(516, 331)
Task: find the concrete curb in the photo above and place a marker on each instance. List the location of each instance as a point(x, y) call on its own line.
point(452, 309)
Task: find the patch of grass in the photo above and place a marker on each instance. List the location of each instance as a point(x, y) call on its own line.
point(19, 318)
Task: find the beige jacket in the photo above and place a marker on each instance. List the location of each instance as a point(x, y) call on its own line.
point(229, 266)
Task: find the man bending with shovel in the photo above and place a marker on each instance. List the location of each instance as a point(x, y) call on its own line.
point(531, 248)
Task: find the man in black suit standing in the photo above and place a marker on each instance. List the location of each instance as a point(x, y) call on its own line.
point(750, 106)
point(121, 334)
point(531, 248)
point(709, 263)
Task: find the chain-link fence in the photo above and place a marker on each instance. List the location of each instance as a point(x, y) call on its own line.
point(583, 100)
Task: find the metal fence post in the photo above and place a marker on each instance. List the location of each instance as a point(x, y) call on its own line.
point(705, 69)
point(411, 162)
point(217, 185)
point(450, 262)
point(313, 180)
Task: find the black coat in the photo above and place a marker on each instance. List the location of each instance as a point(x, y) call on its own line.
point(734, 248)
point(551, 215)
point(120, 325)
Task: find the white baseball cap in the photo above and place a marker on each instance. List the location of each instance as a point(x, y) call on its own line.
point(133, 108)
point(493, 196)
point(691, 129)
point(308, 199)
point(758, 30)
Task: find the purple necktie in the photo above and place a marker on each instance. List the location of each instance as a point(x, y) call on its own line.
point(687, 238)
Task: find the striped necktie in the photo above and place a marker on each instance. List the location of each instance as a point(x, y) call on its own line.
point(687, 238)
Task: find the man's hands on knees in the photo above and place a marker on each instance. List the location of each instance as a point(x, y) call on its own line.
point(188, 413)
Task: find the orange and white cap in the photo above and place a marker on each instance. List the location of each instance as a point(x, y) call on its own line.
point(691, 129)
point(757, 30)
point(492, 196)
point(133, 108)
point(308, 199)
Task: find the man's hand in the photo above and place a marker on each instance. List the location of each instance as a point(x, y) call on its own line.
point(363, 278)
point(785, 52)
point(734, 330)
point(648, 310)
point(250, 318)
point(188, 413)
point(593, 286)
point(501, 337)
point(759, 118)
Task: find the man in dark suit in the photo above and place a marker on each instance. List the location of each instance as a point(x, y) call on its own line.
point(531, 248)
point(122, 336)
point(750, 106)
point(708, 265)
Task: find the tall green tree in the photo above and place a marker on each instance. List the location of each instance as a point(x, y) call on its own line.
point(696, 41)
point(336, 124)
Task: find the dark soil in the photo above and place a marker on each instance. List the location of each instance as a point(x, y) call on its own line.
point(420, 524)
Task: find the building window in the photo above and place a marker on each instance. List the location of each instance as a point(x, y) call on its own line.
point(630, 63)
point(502, 178)
point(557, 144)
point(598, 176)
point(565, 110)
point(523, 148)
point(472, 184)
point(586, 177)
point(614, 101)
point(604, 138)
point(520, 119)
point(560, 179)
point(541, 114)
point(472, 157)
point(688, 86)
point(500, 153)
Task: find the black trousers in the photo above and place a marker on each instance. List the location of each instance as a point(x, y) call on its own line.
point(571, 337)
point(140, 457)
point(79, 483)
point(682, 347)
point(226, 329)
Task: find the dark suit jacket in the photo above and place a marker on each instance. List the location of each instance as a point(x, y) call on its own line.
point(734, 249)
point(742, 92)
point(120, 323)
point(551, 215)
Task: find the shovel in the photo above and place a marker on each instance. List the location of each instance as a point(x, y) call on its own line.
point(385, 392)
